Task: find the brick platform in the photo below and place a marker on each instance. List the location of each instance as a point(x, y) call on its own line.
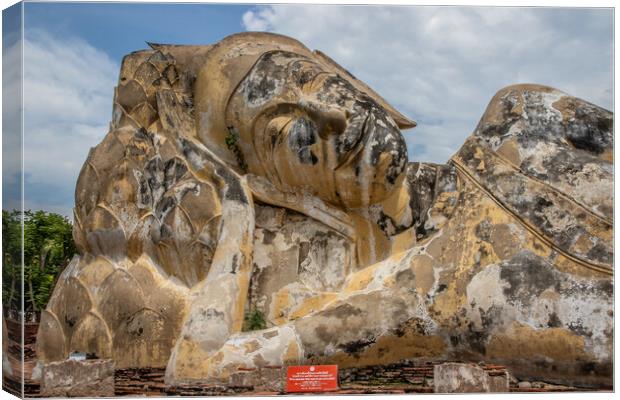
point(400, 378)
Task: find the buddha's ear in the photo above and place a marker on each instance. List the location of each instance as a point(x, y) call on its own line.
point(402, 121)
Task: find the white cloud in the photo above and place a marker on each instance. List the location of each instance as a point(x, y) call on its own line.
point(11, 139)
point(442, 65)
point(68, 91)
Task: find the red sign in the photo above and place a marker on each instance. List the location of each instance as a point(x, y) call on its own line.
point(312, 378)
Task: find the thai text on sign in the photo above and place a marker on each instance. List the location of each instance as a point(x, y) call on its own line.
point(312, 378)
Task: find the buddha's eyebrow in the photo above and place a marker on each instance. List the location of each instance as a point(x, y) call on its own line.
point(316, 68)
point(301, 60)
point(304, 62)
point(317, 74)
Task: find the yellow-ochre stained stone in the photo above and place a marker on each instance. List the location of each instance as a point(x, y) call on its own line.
point(278, 184)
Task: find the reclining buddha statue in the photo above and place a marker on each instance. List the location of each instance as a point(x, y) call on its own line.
point(257, 177)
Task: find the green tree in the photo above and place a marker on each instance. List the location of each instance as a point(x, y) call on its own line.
point(11, 259)
point(47, 248)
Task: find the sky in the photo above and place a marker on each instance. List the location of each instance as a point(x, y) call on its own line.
point(437, 65)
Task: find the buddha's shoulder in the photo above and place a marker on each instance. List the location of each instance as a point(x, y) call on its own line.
point(547, 158)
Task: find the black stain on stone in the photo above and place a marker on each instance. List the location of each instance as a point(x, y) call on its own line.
point(143, 135)
point(580, 329)
point(153, 168)
point(165, 232)
point(600, 252)
point(342, 311)
point(261, 89)
point(234, 264)
point(425, 182)
point(268, 236)
point(164, 206)
point(483, 230)
point(173, 171)
point(145, 193)
point(234, 190)
point(606, 287)
point(304, 250)
point(385, 139)
point(554, 321)
point(302, 134)
point(591, 128)
point(70, 321)
point(261, 83)
point(476, 340)
point(542, 203)
point(528, 276)
point(588, 367)
point(388, 226)
point(491, 316)
point(212, 313)
point(415, 325)
point(508, 119)
point(307, 156)
point(357, 345)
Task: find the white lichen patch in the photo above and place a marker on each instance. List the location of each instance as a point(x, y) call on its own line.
point(535, 156)
point(484, 291)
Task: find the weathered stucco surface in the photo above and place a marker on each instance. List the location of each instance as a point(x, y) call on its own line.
point(256, 175)
point(467, 378)
point(72, 378)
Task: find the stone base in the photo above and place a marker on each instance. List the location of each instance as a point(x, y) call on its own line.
point(72, 378)
point(267, 379)
point(467, 378)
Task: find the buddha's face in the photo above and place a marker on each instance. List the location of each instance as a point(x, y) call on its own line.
point(305, 128)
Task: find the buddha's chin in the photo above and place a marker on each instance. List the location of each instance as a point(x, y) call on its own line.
point(355, 192)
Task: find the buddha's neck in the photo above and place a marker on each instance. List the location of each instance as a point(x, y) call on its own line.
point(378, 228)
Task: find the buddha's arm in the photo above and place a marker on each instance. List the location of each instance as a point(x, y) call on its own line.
point(217, 303)
point(364, 302)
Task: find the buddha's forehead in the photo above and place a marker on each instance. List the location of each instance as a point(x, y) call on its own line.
point(285, 67)
point(286, 60)
point(282, 76)
point(273, 79)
